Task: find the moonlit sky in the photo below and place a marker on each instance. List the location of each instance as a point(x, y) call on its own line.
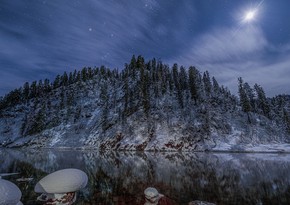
point(40, 39)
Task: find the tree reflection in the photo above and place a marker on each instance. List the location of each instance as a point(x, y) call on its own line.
point(121, 178)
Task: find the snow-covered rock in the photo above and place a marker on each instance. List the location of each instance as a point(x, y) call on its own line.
point(10, 194)
point(62, 181)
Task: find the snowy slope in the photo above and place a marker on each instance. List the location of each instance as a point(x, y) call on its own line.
point(144, 107)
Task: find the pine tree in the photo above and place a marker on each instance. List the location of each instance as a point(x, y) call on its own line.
point(39, 89)
point(33, 90)
point(286, 120)
point(144, 81)
point(64, 79)
point(244, 100)
point(183, 78)
point(84, 75)
point(46, 86)
point(90, 73)
point(70, 78)
point(215, 86)
point(26, 91)
point(207, 83)
point(177, 84)
point(56, 82)
point(104, 97)
point(262, 102)
point(38, 122)
point(62, 99)
point(133, 63)
point(193, 83)
point(251, 96)
point(140, 62)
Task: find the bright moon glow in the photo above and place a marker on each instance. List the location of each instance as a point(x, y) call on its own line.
point(250, 15)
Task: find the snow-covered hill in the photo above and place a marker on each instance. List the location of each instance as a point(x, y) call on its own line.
point(146, 106)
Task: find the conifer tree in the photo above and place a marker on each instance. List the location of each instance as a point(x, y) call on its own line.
point(262, 102)
point(64, 79)
point(215, 86)
point(38, 121)
point(46, 86)
point(251, 95)
point(84, 75)
point(56, 82)
point(78, 76)
point(26, 91)
point(39, 89)
point(70, 78)
point(244, 100)
point(193, 83)
point(33, 90)
point(176, 80)
point(286, 120)
point(90, 73)
point(207, 83)
point(133, 63)
point(144, 81)
point(104, 97)
point(183, 78)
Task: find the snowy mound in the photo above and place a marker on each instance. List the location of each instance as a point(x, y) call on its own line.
point(10, 194)
point(62, 181)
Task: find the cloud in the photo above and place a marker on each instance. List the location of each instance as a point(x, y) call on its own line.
point(54, 37)
point(46, 38)
point(273, 77)
point(228, 53)
point(224, 44)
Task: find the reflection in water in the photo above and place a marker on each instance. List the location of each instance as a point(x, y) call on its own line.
point(122, 177)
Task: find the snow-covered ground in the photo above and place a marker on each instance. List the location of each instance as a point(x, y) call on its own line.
point(271, 148)
point(109, 112)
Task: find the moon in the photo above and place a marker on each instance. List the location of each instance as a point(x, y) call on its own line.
point(250, 15)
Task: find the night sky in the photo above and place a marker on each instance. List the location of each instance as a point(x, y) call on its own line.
point(40, 39)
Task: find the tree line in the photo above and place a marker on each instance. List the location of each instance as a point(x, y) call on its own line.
point(139, 85)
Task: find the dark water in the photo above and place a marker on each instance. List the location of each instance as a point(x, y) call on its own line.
point(121, 177)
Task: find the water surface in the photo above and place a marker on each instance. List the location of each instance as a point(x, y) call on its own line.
point(121, 177)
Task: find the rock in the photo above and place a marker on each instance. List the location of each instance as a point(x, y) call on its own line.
point(10, 194)
point(62, 181)
point(152, 197)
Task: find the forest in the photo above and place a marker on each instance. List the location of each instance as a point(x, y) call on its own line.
point(149, 91)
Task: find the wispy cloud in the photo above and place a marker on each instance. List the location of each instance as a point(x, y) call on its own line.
point(229, 53)
point(226, 45)
point(40, 39)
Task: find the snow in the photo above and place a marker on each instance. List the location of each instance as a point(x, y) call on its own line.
point(270, 148)
point(214, 123)
point(62, 181)
point(9, 192)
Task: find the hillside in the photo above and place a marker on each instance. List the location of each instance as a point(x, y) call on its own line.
point(146, 106)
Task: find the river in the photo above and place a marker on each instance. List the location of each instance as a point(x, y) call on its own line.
point(121, 177)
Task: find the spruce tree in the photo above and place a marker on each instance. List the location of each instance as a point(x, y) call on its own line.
point(46, 86)
point(104, 98)
point(215, 86)
point(244, 100)
point(207, 83)
point(56, 82)
point(193, 83)
point(64, 79)
point(262, 102)
point(33, 90)
point(26, 91)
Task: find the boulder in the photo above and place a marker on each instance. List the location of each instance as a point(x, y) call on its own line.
point(10, 194)
point(62, 181)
